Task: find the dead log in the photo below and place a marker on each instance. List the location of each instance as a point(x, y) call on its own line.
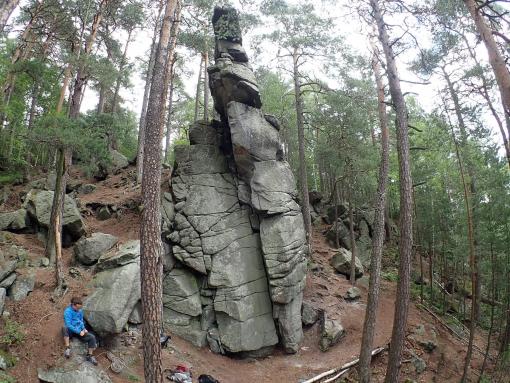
point(341, 370)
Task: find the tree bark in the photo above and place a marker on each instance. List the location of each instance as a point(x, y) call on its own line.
point(378, 235)
point(406, 217)
point(151, 266)
point(352, 238)
point(143, 113)
point(169, 114)
point(6, 10)
point(33, 105)
point(303, 179)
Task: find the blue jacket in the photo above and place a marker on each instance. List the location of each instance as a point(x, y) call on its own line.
point(74, 320)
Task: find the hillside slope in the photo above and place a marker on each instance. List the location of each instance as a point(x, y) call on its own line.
point(41, 318)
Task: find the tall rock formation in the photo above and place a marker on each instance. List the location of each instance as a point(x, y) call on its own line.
point(235, 239)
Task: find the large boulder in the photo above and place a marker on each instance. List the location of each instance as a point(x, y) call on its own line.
point(341, 261)
point(21, 287)
point(14, 221)
point(84, 373)
point(342, 231)
point(116, 293)
point(88, 250)
point(128, 252)
point(6, 268)
point(181, 293)
point(38, 205)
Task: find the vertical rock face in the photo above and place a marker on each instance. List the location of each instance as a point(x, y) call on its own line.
point(235, 231)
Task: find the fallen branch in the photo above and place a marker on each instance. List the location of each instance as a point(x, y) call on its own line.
point(341, 370)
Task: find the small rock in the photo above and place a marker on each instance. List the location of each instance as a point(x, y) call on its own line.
point(87, 189)
point(104, 213)
point(353, 294)
point(85, 373)
point(331, 333)
point(22, 287)
point(309, 315)
point(3, 292)
point(44, 262)
point(6, 314)
point(74, 272)
point(7, 282)
point(7, 268)
point(341, 261)
point(426, 339)
point(314, 266)
point(418, 363)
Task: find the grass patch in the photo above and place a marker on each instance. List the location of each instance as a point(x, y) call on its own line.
point(133, 378)
point(10, 178)
point(6, 378)
point(13, 333)
point(390, 275)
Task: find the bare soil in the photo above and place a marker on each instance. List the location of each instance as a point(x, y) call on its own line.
point(41, 317)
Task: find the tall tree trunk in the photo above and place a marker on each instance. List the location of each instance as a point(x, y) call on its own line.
point(102, 99)
point(33, 105)
point(406, 216)
point(6, 9)
point(206, 87)
point(169, 114)
point(491, 326)
point(151, 266)
point(64, 155)
point(378, 235)
point(472, 258)
point(143, 113)
point(119, 76)
point(352, 237)
point(303, 179)
point(495, 57)
point(199, 81)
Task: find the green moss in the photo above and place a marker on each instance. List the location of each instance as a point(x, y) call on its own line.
point(13, 333)
point(10, 360)
point(134, 378)
point(6, 378)
point(10, 177)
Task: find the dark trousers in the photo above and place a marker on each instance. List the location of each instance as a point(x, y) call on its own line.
point(88, 337)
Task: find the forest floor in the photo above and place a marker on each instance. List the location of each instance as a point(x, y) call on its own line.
point(41, 318)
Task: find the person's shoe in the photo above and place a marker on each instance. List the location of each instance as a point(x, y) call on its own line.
point(91, 359)
point(67, 353)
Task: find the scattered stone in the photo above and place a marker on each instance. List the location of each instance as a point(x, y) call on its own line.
point(74, 272)
point(7, 268)
point(309, 314)
point(418, 363)
point(14, 221)
point(129, 252)
point(44, 262)
point(426, 339)
point(85, 373)
point(8, 281)
point(87, 189)
point(341, 261)
point(3, 293)
point(104, 213)
point(88, 250)
point(116, 293)
point(353, 293)
point(331, 333)
point(21, 287)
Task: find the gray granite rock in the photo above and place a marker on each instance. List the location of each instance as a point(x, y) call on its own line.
point(309, 314)
point(331, 333)
point(14, 221)
point(88, 250)
point(341, 261)
point(21, 287)
point(128, 252)
point(116, 292)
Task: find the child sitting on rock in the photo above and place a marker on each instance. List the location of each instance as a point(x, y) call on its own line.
point(74, 327)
